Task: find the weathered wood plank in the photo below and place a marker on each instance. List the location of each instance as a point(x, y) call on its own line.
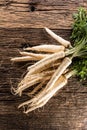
point(38, 13)
point(66, 111)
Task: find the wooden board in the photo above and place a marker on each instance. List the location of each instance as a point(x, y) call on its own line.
point(20, 28)
point(38, 13)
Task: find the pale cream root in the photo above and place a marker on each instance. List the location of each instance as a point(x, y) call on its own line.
point(45, 77)
point(63, 66)
point(36, 103)
point(24, 58)
point(35, 76)
point(58, 38)
point(65, 63)
point(61, 81)
point(45, 63)
point(20, 89)
point(37, 56)
point(46, 48)
point(48, 67)
point(39, 86)
point(33, 79)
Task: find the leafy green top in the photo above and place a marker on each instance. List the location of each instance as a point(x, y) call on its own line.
point(79, 38)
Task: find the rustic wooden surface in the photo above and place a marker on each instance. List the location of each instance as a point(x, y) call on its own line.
point(21, 24)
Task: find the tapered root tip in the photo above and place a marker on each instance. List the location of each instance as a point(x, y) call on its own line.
point(20, 106)
point(46, 28)
point(27, 49)
point(12, 59)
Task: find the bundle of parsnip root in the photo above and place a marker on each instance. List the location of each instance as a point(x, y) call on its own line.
point(53, 64)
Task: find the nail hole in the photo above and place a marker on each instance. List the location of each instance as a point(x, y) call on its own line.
point(32, 8)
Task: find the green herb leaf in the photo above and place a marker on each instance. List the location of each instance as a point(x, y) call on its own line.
point(79, 38)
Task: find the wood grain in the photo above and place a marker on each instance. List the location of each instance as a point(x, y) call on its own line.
point(38, 13)
point(21, 25)
point(66, 111)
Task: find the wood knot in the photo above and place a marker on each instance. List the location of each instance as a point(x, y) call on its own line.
point(32, 8)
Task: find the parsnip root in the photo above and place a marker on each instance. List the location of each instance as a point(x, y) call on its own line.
point(58, 38)
point(47, 75)
point(46, 48)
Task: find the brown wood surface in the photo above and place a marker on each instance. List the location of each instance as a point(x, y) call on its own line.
point(21, 25)
point(38, 13)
